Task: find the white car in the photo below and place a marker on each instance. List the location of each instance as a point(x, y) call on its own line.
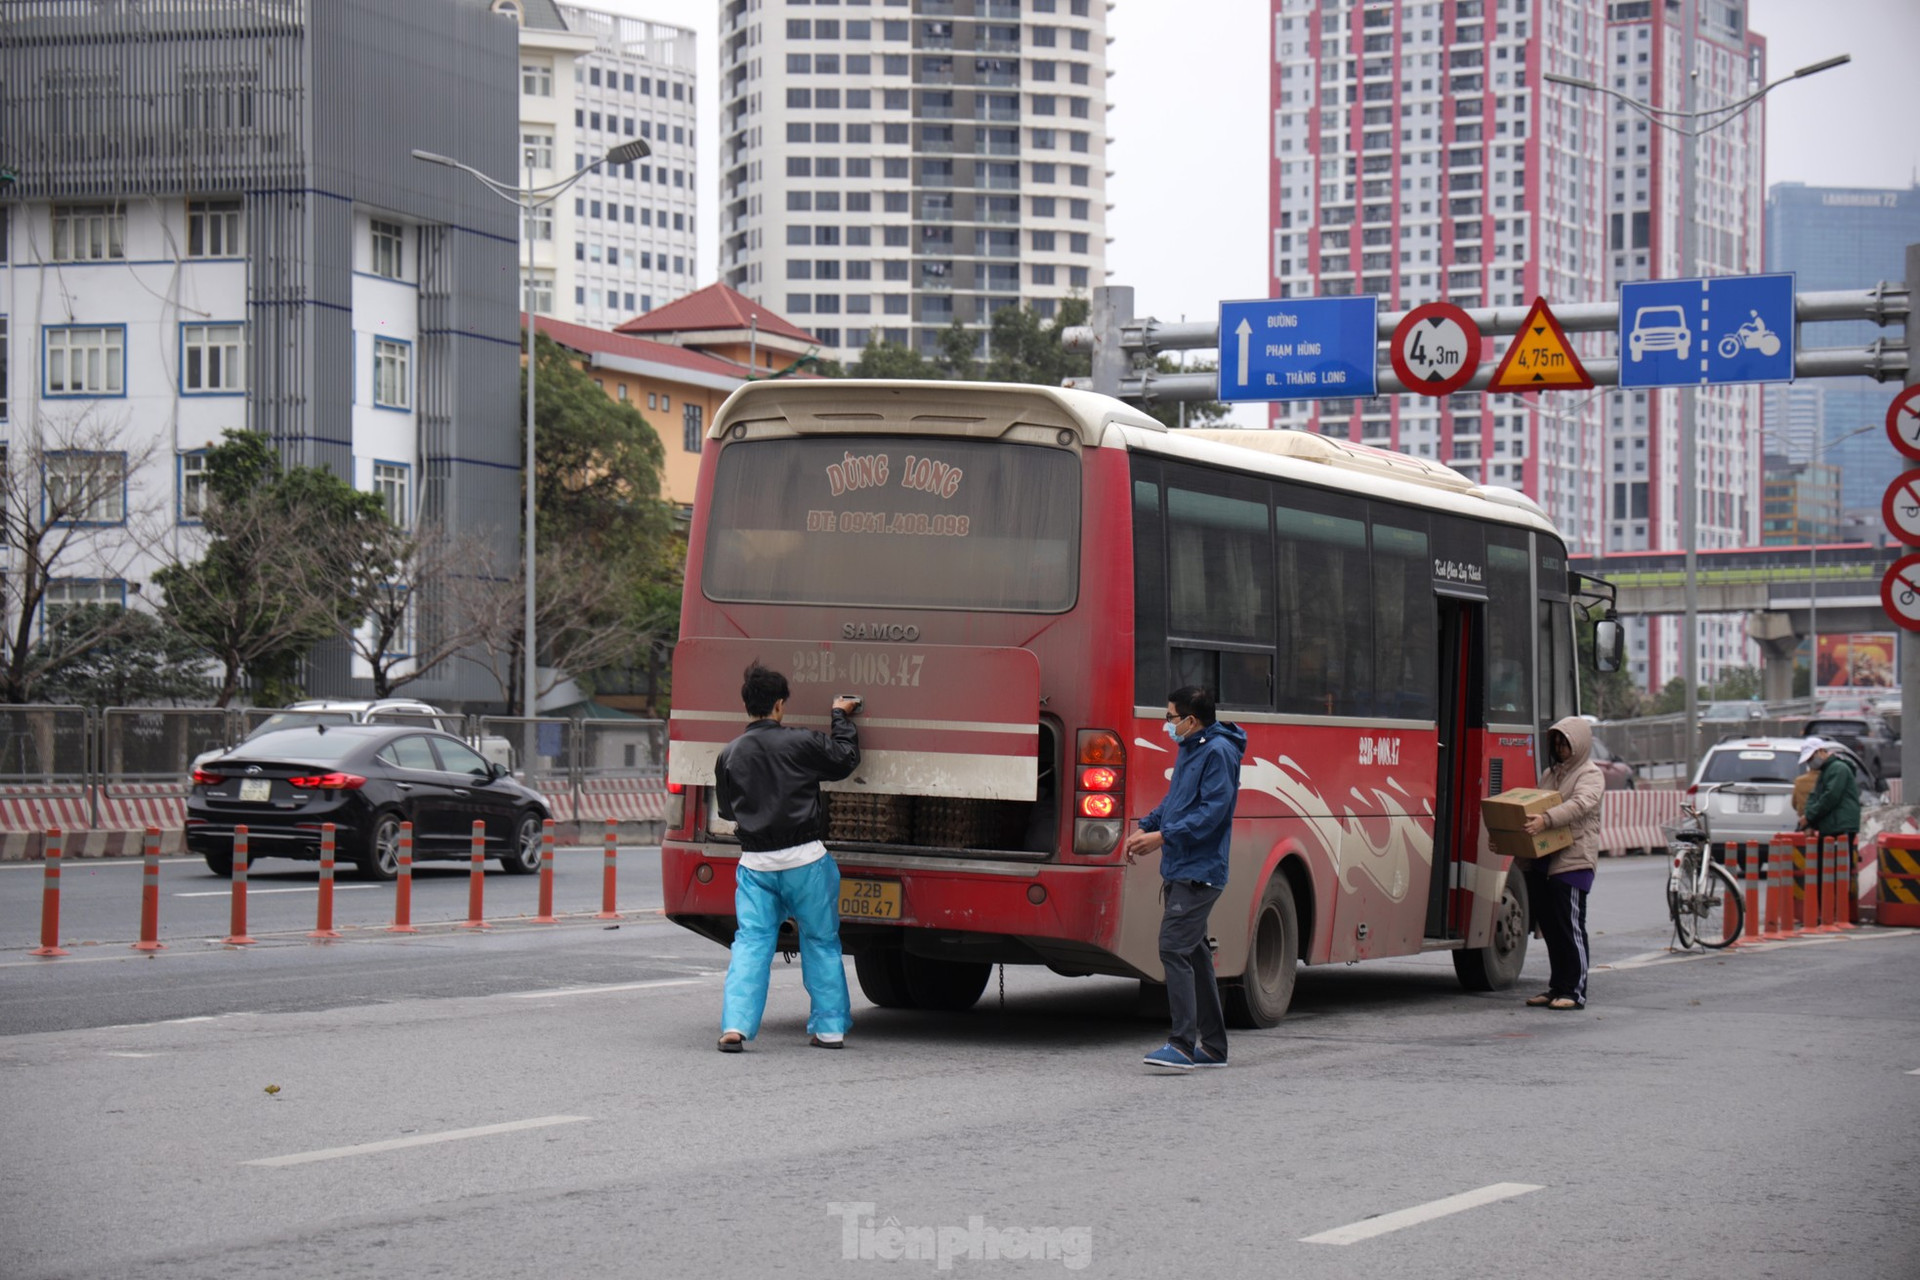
point(370, 711)
point(1744, 786)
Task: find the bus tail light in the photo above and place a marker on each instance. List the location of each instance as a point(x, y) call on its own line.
point(1099, 798)
point(676, 810)
point(1098, 805)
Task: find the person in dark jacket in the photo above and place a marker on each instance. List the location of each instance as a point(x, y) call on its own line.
point(1833, 807)
point(767, 781)
point(1191, 829)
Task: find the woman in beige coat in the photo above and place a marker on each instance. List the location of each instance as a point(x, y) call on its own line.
point(1559, 884)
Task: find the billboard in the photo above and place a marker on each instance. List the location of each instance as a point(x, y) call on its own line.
point(1861, 661)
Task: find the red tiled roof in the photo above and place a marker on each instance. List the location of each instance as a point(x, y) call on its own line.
point(579, 337)
point(714, 307)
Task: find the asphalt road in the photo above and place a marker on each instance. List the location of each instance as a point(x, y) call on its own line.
point(546, 1101)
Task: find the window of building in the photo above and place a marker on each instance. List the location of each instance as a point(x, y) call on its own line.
point(540, 293)
point(192, 485)
point(86, 360)
point(389, 248)
point(88, 232)
point(690, 428)
point(393, 482)
point(213, 229)
point(1042, 274)
point(536, 79)
point(536, 148)
point(392, 374)
point(86, 487)
point(65, 593)
point(212, 359)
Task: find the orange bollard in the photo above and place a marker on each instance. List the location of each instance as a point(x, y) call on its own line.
point(403, 886)
point(237, 918)
point(477, 880)
point(1770, 916)
point(1849, 879)
point(323, 918)
point(50, 899)
point(545, 914)
point(150, 894)
point(1752, 868)
point(1806, 883)
point(607, 911)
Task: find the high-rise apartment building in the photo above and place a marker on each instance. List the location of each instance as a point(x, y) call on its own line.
point(891, 166)
point(1419, 156)
point(216, 224)
point(1795, 414)
point(622, 240)
point(1846, 238)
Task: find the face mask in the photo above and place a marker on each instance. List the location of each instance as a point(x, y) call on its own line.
point(1171, 732)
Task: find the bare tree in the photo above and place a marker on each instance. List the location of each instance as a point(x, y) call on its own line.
point(441, 600)
point(587, 617)
point(74, 512)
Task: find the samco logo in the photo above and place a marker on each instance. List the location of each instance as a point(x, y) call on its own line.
point(878, 631)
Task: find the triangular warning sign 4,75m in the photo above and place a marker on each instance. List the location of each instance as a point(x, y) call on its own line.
point(1540, 358)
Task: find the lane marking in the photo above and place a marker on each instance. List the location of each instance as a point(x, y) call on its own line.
point(128, 1053)
point(1400, 1219)
point(595, 991)
point(1915, 1072)
point(417, 1140)
point(255, 893)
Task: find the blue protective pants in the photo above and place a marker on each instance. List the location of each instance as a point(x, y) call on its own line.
point(761, 900)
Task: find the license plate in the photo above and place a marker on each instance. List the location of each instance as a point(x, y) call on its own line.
point(870, 899)
point(1753, 804)
point(256, 789)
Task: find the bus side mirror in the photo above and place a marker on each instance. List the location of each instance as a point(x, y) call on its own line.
point(1609, 643)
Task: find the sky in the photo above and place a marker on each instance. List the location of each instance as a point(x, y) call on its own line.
point(1188, 115)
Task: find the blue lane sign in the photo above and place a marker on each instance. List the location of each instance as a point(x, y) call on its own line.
point(1722, 329)
point(1297, 348)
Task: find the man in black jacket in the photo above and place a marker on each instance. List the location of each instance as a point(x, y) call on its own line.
point(767, 781)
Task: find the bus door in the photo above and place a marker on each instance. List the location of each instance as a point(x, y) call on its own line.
point(1456, 816)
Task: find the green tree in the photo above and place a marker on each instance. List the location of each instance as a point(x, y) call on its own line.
point(890, 360)
point(1737, 684)
point(140, 659)
point(293, 556)
point(610, 555)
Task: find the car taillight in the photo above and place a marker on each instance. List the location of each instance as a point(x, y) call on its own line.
point(201, 778)
point(328, 782)
point(1099, 778)
point(1097, 805)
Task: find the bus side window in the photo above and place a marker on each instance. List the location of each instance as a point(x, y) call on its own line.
point(1220, 584)
point(1326, 653)
point(1510, 626)
point(1150, 682)
point(1405, 627)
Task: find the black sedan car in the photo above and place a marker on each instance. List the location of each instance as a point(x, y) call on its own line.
point(366, 779)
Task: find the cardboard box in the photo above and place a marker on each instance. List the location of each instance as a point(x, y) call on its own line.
point(1518, 844)
point(1510, 810)
point(1506, 817)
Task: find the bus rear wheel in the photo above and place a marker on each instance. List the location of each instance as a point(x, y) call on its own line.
point(895, 978)
point(1496, 966)
point(1261, 996)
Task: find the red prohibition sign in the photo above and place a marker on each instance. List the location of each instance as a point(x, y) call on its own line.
point(1900, 592)
point(1435, 349)
point(1900, 508)
point(1903, 422)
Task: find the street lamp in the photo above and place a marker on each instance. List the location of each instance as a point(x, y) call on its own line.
point(529, 198)
point(1690, 123)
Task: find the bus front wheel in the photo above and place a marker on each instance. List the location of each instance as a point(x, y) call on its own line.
point(895, 978)
point(1260, 998)
point(1496, 966)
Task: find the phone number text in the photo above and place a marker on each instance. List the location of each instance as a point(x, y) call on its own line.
point(910, 522)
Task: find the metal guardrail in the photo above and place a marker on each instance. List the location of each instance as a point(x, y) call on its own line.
point(84, 757)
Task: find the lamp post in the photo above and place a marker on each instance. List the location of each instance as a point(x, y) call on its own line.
point(1690, 122)
point(529, 198)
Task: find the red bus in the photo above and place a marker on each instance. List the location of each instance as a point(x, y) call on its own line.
point(1014, 577)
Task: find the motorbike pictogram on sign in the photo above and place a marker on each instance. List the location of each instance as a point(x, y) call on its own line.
point(1753, 336)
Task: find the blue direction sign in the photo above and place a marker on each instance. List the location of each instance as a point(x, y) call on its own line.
point(1297, 348)
point(1685, 333)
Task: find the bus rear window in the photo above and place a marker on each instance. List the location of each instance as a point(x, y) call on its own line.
point(887, 520)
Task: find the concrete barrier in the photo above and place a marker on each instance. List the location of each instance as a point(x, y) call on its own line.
point(1631, 821)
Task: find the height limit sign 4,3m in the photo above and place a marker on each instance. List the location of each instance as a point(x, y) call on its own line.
point(1436, 349)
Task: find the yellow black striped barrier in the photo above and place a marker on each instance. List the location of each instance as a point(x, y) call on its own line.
point(1898, 899)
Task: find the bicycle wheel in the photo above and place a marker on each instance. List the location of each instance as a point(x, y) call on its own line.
point(1718, 912)
point(1679, 901)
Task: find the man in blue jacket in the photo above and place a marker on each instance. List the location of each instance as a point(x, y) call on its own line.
point(1191, 829)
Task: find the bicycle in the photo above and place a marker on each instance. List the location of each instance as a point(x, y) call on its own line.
point(1705, 899)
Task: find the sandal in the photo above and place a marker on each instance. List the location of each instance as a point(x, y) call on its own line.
point(818, 1043)
point(732, 1042)
point(1540, 1001)
point(1562, 1004)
